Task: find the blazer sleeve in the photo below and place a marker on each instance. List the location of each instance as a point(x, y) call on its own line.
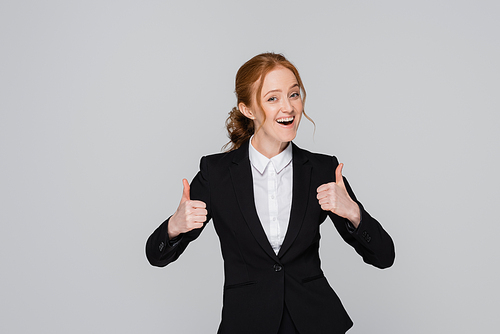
point(161, 251)
point(369, 239)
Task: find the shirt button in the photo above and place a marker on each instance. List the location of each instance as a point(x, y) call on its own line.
point(277, 267)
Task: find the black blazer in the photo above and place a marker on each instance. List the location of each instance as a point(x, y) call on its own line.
point(257, 281)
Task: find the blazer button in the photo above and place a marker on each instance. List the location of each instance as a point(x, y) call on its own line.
point(277, 267)
point(367, 236)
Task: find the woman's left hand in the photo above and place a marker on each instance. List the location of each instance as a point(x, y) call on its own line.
point(333, 197)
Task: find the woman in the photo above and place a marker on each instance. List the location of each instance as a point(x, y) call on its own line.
point(267, 199)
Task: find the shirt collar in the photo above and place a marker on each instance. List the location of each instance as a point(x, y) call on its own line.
point(260, 161)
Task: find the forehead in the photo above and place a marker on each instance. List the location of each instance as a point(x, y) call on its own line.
point(279, 78)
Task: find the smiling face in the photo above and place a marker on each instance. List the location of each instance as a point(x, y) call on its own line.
point(277, 122)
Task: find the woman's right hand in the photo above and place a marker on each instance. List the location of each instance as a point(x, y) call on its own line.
point(188, 216)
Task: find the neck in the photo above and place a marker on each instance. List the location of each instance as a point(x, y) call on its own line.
point(268, 149)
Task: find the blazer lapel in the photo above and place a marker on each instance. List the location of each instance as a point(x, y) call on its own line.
point(300, 195)
point(241, 175)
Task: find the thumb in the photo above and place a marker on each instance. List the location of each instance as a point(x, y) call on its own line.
point(339, 180)
point(185, 191)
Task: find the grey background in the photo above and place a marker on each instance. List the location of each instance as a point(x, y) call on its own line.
point(107, 105)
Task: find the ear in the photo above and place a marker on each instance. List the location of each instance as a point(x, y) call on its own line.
point(245, 110)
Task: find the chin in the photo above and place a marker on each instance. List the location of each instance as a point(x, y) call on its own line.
point(289, 138)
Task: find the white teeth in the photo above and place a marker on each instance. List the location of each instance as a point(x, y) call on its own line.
point(283, 120)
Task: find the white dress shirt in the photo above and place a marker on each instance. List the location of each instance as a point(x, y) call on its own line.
point(272, 184)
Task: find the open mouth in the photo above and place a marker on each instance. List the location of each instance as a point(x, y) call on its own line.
point(285, 120)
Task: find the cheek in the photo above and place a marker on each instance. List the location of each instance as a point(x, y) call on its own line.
point(298, 122)
point(299, 106)
point(270, 114)
point(260, 116)
point(298, 118)
point(300, 109)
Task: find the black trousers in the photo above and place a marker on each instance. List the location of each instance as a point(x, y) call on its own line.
point(287, 326)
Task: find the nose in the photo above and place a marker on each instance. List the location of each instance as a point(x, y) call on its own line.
point(286, 105)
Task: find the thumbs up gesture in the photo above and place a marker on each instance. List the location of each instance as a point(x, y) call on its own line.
point(189, 214)
point(333, 197)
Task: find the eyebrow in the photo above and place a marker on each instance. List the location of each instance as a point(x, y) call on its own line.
point(279, 90)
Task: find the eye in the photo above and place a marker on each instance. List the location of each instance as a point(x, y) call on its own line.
point(271, 99)
point(296, 94)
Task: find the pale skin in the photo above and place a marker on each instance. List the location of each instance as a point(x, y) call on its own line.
point(277, 126)
point(189, 214)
